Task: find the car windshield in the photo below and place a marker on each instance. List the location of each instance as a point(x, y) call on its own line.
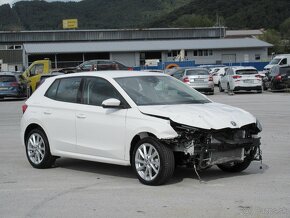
point(275, 61)
point(246, 72)
point(196, 72)
point(159, 90)
point(7, 79)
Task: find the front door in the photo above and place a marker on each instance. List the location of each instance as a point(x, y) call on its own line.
point(100, 131)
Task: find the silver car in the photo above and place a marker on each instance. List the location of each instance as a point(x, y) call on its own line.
point(197, 78)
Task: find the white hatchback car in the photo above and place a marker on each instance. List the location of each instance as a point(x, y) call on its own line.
point(241, 78)
point(148, 120)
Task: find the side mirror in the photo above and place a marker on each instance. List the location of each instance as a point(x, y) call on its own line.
point(111, 103)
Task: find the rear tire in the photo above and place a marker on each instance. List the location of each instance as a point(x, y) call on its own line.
point(153, 162)
point(37, 149)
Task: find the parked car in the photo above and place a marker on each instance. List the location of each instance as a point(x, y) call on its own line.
point(217, 73)
point(45, 76)
point(148, 120)
point(97, 65)
point(241, 78)
point(197, 78)
point(12, 84)
point(283, 60)
point(279, 77)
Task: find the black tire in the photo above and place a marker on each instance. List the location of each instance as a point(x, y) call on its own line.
point(47, 160)
point(166, 162)
point(220, 87)
point(235, 167)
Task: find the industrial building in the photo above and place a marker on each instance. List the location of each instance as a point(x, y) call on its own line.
point(66, 48)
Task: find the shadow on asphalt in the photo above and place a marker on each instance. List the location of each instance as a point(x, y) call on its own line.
point(180, 173)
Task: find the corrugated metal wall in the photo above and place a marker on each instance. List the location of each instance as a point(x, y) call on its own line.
point(11, 56)
point(105, 35)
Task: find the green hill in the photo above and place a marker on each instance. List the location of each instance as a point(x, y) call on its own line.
point(100, 14)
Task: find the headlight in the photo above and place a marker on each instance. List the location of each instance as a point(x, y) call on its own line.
point(259, 126)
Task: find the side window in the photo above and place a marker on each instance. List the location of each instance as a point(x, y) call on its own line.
point(51, 92)
point(283, 62)
point(67, 90)
point(178, 74)
point(96, 90)
point(36, 69)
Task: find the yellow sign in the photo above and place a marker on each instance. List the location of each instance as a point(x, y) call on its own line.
point(70, 24)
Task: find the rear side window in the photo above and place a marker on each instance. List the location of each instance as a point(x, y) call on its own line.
point(7, 79)
point(196, 72)
point(65, 89)
point(51, 92)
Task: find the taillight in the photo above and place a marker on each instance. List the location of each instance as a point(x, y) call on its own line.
point(278, 77)
point(236, 77)
point(210, 78)
point(130, 68)
point(24, 107)
point(258, 76)
point(14, 84)
point(186, 79)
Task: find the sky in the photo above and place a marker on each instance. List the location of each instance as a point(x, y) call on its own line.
point(13, 1)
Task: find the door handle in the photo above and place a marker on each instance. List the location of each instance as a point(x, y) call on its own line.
point(81, 116)
point(47, 112)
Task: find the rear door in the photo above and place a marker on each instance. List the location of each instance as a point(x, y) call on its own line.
point(100, 131)
point(59, 113)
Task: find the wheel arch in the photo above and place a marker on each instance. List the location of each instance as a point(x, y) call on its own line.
point(31, 127)
point(136, 139)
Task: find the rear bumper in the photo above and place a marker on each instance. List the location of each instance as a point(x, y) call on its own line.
point(205, 90)
point(11, 94)
point(247, 88)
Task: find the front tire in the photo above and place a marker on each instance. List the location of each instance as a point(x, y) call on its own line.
point(37, 149)
point(153, 162)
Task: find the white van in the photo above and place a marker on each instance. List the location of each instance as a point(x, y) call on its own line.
point(282, 60)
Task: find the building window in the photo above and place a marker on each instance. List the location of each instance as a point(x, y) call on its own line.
point(14, 47)
point(200, 53)
point(194, 52)
point(257, 57)
point(210, 53)
point(205, 52)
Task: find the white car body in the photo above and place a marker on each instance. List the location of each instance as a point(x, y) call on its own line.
point(101, 134)
point(234, 81)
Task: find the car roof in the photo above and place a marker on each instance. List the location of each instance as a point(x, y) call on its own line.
point(113, 74)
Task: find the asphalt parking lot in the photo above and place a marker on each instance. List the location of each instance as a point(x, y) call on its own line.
point(86, 189)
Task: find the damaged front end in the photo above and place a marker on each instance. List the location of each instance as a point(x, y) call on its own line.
point(204, 148)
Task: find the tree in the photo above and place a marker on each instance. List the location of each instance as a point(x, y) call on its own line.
point(193, 21)
point(273, 36)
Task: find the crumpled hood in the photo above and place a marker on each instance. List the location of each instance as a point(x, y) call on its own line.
point(205, 116)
